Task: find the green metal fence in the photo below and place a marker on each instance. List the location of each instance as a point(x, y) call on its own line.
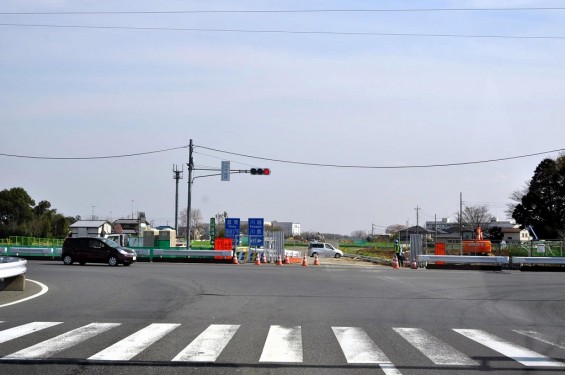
point(31, 241)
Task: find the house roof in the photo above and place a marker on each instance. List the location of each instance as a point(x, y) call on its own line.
point(89, 224)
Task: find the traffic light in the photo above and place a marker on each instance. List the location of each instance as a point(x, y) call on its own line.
point(260, 171)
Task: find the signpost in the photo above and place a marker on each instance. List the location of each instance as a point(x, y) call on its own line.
point(212, 231)
point(256, 232)
point(225, 170)
point(232, 229)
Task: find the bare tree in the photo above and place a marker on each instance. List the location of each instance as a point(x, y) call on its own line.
point(516, 198)
point(196, 226)
point(474, 216)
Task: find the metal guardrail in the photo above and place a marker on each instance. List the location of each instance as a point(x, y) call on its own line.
point(12, 267)
point(462, 259)
point(539, 260)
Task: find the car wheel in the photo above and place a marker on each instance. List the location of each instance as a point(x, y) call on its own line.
point(113, 261)
point(68, 260)
point(314, 254)
point(338, 256)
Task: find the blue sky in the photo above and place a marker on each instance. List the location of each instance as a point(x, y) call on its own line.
point(321, 98)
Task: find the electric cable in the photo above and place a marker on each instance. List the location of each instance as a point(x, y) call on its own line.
point(383, 167)
point(294, 32)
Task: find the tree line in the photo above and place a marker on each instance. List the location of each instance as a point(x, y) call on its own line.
point(20, 216)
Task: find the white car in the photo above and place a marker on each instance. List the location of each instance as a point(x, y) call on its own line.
point(324, 250)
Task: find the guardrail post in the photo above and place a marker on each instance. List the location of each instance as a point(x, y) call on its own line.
point(16, 283)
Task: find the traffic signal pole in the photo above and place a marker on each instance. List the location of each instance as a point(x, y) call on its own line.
point(252, 171)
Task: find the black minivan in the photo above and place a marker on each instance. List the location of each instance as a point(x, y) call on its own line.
point(96, 250)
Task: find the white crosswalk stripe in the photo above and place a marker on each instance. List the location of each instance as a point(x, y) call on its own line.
point(359, 348)
point(134, 344)
point(523, 355)
point(437, 351)
point(283, 344)
point(208, 345)
point(26, 329)
point(67, 340)
point(541, 337)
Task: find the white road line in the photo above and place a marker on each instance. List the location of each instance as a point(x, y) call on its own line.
point(541, 337)
point(525, 356)
point(66, 340)
point(44, 290)
point(134, 344)
point(358, 347)
point(208, 345)
point(437, 351)
point(283, 344)
point(26, 329)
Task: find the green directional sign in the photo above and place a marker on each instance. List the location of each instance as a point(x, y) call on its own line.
point(212, 231)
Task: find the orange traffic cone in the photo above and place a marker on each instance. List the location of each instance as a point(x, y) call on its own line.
point(258, 260)
point(279, 261)
point(316, 260)
point(263, 258)
point(305, 261)
point(286, 260)
point(234, 259)
point(395, 263)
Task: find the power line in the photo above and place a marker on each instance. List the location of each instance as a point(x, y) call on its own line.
point(91, 157)
point(294, 32)
point(286, 161)
point(382, 167)
point(260, 11)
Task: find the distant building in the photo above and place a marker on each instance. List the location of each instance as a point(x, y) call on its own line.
point(516, 235)
point(449, 225)
point(90, 228)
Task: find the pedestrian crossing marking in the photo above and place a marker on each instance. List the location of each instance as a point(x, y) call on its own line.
point(518, 353)
point(541, 337)
point(283, 344)
point(437, 351)
point(134, 344)
point(208, 345)
point(67, 340)
point(26, 329)
point(359, 348)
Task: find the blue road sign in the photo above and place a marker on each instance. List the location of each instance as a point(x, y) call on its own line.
point(256, 232)
point(232, 229)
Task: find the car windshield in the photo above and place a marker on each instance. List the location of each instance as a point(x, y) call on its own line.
point(110, 243)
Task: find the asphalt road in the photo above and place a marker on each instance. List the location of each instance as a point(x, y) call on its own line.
point(333, 318)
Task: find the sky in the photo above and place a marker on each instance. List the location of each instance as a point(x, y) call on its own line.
point(339, 105)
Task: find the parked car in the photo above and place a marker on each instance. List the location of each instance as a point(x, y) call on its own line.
point(96, 250)
point(324, 250)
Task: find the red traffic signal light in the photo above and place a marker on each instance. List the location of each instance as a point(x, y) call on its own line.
point(260, 171)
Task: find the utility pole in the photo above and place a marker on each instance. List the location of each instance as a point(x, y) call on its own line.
point(417, 218)
point(190, 168)
point(177, 176)
point(460, 223)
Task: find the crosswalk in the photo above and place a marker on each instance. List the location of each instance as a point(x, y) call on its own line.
point(282, 344)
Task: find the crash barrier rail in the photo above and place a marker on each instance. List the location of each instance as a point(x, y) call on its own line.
point(12, 273)
point(463, 259)
point(539, 260)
